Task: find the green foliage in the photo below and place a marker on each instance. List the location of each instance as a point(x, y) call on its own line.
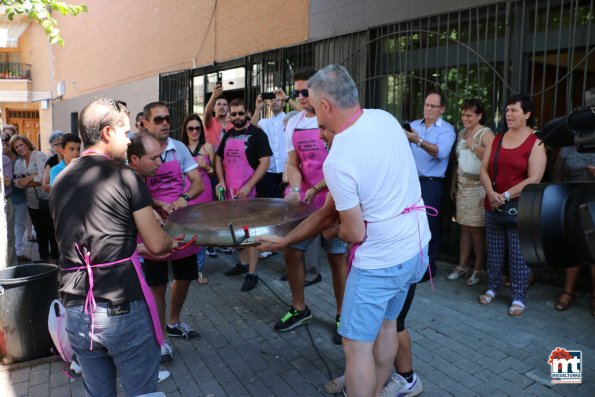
point(40, 11)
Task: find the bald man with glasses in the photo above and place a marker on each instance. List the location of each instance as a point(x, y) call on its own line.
point(431, 139)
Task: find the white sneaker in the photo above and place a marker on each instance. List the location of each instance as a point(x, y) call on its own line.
point(398, 387)
point(163, 375)
point(265, 254)
point(335, 386)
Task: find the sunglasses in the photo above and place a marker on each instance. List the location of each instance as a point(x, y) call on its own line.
point(6, 139)
point(430, 105)
point(194, 129)
point(161, 119)
point(296, 93)
point(234, 114)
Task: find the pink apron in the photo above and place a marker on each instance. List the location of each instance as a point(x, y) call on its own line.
point(237, 168)
point(207, 194)
point(168, 185)
point(311, 152)
point(90, 304)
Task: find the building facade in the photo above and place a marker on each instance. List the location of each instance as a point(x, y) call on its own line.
point(139, 51)
point(26, 78)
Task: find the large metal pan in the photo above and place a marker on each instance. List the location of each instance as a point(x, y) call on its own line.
point(212, 223)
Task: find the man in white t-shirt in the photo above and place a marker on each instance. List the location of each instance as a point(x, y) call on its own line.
point(377, 194)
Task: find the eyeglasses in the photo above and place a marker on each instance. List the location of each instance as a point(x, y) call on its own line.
point(234, 114)
point(429, 105)
point(296, 93)
point(194, 128)
point(161, 119)
point(55, 144)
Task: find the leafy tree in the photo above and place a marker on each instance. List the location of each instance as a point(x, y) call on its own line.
point(40, 10)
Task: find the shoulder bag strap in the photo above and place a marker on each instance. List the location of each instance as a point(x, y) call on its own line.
point(495, 165)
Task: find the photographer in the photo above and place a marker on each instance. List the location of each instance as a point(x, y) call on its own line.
point(572, 166)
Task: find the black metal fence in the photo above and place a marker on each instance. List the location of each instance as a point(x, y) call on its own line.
point(543, 48)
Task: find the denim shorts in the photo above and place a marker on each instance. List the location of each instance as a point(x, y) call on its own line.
point(123, 345)
point(374, 295)
point(334, 246)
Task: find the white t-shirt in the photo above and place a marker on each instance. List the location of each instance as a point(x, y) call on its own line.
point(298, 122)
point(370, 164)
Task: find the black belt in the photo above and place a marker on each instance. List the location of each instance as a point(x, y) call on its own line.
point(430, 178)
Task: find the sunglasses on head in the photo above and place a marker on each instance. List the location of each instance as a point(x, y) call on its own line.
point(296, 93)
point(234, 114)
point(194, 128)
point(161, 119)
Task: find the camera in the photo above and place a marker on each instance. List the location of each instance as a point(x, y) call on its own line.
point(268, 95)
point(556, 221)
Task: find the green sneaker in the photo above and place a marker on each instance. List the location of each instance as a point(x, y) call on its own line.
point(292, 319)
point(337, 338)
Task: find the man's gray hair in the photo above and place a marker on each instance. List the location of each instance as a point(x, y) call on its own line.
point(335, 83)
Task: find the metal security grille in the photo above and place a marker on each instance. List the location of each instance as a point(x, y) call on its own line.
point(175, 89)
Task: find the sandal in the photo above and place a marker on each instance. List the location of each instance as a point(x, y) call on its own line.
point(202, 280)
point(563, 304)
point(475, 277)
point(457, 272)
point(516, 310)
point(486, 298)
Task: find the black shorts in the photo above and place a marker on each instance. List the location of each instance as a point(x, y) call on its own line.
point(156, 272)
point(405, 309)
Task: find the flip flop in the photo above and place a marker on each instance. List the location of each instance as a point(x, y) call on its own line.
point(202, 280)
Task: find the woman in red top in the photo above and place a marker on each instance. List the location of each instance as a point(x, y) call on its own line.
point(521, 161)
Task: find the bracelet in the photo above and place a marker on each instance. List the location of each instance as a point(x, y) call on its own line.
point(314, 187)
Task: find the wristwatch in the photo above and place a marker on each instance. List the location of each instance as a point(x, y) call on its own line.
point(185, 197)
point(506, 196)
point(420, 142)
point(295, 189)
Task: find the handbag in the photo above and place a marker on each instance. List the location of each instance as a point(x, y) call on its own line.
point(506, 215)
point(44, 204)
point(469, 163)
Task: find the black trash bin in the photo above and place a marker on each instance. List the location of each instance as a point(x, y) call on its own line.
point(26, 292)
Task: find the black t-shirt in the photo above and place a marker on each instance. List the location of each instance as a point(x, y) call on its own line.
point(52, 161)
point(256, 144)
point(92, 202)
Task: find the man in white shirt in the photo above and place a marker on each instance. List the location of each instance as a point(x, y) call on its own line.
point(372, 177)
point(270, 185)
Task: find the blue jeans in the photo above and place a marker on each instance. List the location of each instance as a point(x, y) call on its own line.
point(201, 258)
point(431, 192)
point(124, 343)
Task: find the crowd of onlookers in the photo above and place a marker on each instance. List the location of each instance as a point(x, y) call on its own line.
point(487, 173)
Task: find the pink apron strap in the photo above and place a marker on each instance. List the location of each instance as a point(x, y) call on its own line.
point(149, 298)
point(90, 304)
point(424, 208)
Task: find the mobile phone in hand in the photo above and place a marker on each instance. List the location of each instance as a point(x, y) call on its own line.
point(407, 127)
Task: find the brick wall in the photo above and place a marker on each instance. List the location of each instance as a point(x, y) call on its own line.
point(125, 41)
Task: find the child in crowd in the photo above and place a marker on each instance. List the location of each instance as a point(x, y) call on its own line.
point(70, 149)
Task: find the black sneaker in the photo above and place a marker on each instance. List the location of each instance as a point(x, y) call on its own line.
point(292, 319)
point(211, 252)
point(237, 269)
point(337, 338)
point(181, 329)
point(250, 282)
point(318, 279)
point(167, 355)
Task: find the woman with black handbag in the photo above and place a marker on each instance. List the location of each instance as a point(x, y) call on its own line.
point(28, 174)
point(515, 159)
